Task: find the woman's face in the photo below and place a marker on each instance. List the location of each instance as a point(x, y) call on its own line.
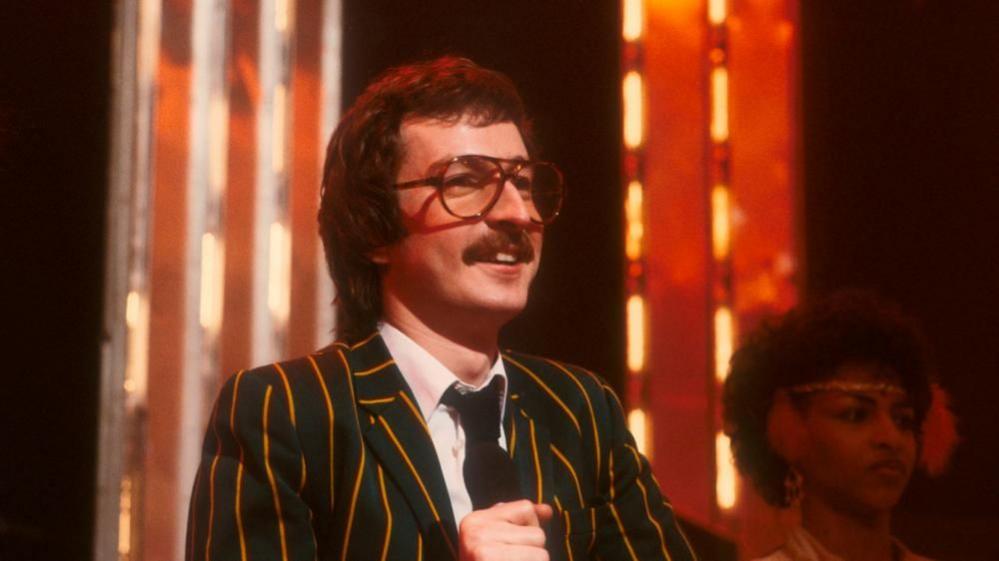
point(861, 445)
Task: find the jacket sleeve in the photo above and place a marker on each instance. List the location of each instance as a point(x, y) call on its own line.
point(247, 498)
point(636, 522)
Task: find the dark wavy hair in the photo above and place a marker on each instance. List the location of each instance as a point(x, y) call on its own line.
point(359, 209)
point(809, 344)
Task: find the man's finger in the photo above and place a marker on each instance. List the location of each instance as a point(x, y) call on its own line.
point(511, 534)
point(522, 512)
point(518, 553)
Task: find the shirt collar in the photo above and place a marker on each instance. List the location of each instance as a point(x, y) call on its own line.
point(426, 376)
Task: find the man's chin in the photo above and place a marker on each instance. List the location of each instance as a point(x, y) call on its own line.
point(499, 309)
point(504, 308)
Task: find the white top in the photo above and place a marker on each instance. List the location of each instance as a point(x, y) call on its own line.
point(802, 546)
point(429, 379)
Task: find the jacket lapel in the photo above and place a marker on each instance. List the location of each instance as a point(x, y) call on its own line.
point(528, 439)
point(396, 433)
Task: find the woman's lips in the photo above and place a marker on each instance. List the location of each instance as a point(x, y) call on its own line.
point(889, 467)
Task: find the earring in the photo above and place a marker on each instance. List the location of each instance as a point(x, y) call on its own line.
point(792, 486)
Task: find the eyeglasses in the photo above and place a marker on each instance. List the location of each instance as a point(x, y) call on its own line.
point(470, 186)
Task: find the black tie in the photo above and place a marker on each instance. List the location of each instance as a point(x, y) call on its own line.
point(490, 476)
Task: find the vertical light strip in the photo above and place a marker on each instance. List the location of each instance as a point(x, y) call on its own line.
point(724, 340)
point(632, 20)
point(212, 279)
point(125, 519)
point(204, 267)
point(634, 221)
point(279, 129)
point(726, 481)
point(720, 204)
point(717, 12)
point(219, 148)
point(636, 334)
point(282, 15)
point(721, 234)
point(331, 63)
point(279, 287)
point(633, 137)
point(634, 111)
point(137, 365)
point(719, 104)
point(272, 237)
point(638, 425)
point(125, 353)
point(212, 240)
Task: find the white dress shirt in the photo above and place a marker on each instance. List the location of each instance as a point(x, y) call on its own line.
point(429, 379)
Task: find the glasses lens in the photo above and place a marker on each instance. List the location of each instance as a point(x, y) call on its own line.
point(547, 191)
point(469, 185)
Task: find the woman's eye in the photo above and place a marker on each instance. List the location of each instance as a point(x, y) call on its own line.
point(854, 414)
point(905, 420)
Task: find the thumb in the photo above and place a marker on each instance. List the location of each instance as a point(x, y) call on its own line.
point(543, 512)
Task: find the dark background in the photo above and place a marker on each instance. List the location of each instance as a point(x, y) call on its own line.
point(901, 176)
point(54, 103)
point(900, 144)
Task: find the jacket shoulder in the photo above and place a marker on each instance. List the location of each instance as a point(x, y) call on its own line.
point(290, 374)
point(308, 388)
point(575, 385)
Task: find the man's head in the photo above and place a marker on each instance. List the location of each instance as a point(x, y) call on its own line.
point(404, 127)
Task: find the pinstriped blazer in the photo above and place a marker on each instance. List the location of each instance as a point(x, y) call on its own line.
point(328, 457)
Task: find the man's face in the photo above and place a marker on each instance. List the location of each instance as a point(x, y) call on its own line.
point(449, 269)
point(862, 444)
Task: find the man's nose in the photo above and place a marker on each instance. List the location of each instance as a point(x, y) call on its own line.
point(511, 206)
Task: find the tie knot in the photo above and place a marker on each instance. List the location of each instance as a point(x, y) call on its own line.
point(478, 411)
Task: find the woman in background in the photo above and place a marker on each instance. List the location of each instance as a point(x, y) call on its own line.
point(831, 407)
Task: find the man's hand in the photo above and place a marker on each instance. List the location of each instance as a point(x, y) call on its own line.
point(506, 531)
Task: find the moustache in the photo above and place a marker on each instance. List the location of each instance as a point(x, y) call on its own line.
point(518, 244)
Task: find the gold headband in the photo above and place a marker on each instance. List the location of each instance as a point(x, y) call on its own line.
point(848, 387)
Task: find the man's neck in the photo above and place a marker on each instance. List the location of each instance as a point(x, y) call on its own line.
point(850, 536)
point(468, 351)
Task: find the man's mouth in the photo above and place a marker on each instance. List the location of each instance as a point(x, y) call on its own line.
point(500, 248)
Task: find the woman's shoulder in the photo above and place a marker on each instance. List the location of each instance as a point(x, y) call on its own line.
point(779, 555)
point(903, 553)
point(802, 546)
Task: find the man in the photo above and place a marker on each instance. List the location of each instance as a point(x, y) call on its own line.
point(432, 218)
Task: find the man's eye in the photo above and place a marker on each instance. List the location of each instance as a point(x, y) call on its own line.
point(464, 180)
point(522, 183)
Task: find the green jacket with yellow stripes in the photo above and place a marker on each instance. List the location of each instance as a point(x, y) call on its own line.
point(328, 457)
